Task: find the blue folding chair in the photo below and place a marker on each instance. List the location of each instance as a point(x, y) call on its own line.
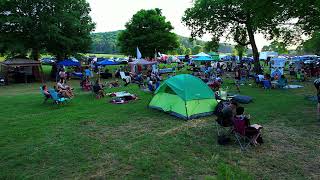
point(56, 98)
point(45, 97)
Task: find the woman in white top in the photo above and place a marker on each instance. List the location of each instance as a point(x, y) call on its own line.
point(62, 74)
point(64, 89)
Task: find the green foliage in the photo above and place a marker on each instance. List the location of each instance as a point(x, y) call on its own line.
point(237, 19)
point(148, 30)
point(212, 46)
point(276, 46)
point(240, 51)
point(181, 50)
point(105, 42)
point(57, 26)
point(197, 49)
point(188, 51)
point(313, 44)
point(266, 48)
point(307, 13)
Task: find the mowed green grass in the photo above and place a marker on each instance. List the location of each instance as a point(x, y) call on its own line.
point(90, 138)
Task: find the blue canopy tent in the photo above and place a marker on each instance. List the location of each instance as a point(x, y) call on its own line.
point(103, 63)
point(68, 63)
point(106, 62)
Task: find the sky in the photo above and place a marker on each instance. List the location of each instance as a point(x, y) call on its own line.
point(112, 15)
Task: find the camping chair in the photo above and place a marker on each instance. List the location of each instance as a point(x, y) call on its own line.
point(239, 131)
point(45, 97)
point(266, 84)
point(95, 94)
point(127, 79)
point(222, 130)
point(223, 127)
point(56, 98)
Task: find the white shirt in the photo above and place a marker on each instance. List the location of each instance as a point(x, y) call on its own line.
point(261, 77)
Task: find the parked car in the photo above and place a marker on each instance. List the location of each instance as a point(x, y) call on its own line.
point(122, 60)
point(48, 61)
point(310, 62)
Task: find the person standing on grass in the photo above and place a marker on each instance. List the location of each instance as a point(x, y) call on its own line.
point(88, 72)
point(317, 85)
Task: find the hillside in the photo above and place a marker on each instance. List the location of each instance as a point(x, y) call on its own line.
point(106, 42)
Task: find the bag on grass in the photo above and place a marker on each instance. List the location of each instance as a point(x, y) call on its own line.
point(242, 99)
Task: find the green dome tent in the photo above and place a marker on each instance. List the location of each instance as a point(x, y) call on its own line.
point(184, 96)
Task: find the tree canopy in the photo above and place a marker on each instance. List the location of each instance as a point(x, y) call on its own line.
point(313, 44)
point(148, 30)
point(60, 27)
point(212, 45)
point(276, 46)
point(236, 19)
point(105, 42)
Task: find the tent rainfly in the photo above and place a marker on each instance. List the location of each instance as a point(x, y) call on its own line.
point(176, 97)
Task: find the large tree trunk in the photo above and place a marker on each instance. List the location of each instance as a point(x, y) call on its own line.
point(257, 67)
point(35, 54)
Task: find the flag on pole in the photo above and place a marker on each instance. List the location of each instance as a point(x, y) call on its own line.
point(139, 56)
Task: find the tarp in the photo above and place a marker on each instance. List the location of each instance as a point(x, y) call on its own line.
point(69, 62)
point(107, 63)
point(142, 62)
point(184, 96)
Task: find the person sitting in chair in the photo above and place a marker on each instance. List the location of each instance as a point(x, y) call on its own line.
point(86, 84)
point(46, 92)
point(64, 90)
point(227, 113)
point(243, 127)
point(98, 89)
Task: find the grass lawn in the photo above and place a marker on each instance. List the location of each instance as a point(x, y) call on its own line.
point(90, 138)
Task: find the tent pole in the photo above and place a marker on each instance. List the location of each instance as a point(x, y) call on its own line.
point(185, 104)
